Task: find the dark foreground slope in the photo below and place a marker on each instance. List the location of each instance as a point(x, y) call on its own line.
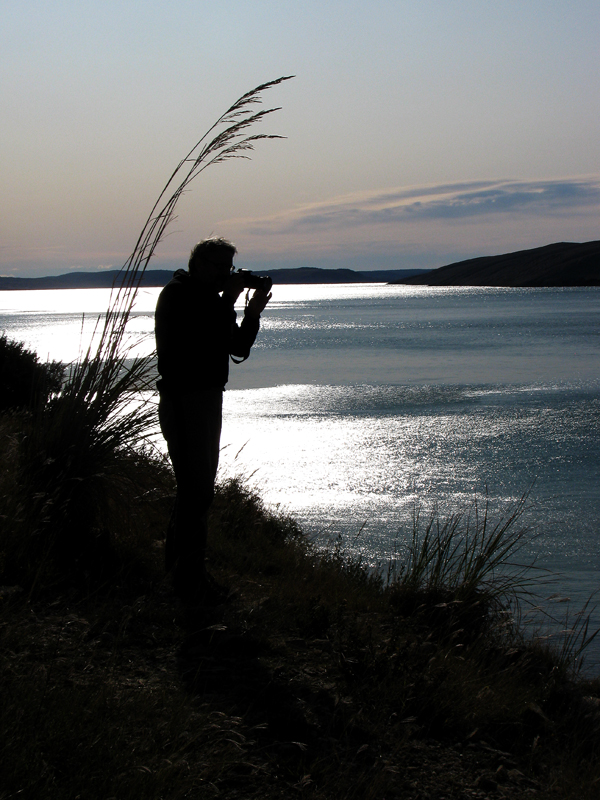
point(560, 264)
point(312, 681)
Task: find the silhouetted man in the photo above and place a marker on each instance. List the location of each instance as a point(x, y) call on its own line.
point(196, 332)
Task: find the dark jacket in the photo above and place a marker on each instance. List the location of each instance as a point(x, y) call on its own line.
point(196, 331)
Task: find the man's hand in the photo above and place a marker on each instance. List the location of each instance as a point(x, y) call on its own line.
point(257, 303)
point(234, 288)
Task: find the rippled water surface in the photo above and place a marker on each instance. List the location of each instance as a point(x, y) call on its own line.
point(361, 403)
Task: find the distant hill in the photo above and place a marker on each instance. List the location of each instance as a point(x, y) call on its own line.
point(82, 280)
point(159, 277)
point(561, 264)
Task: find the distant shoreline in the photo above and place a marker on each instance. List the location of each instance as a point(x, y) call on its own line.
point(560, 264)
point(160, 277)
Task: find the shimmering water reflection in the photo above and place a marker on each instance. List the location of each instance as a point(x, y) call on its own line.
point(344, 457)
point(356, 462)
point(360, 403)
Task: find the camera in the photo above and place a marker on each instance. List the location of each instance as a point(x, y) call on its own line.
point(252, 281)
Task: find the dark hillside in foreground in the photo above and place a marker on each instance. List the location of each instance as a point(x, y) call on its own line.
point(313, 681)
point(560, 264)
point(160, 277)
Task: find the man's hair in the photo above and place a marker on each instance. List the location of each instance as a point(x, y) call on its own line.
point(207, 249)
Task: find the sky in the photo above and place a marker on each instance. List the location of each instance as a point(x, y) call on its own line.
point(417, 132)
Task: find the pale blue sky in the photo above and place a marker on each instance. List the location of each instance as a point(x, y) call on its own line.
point(418, 131)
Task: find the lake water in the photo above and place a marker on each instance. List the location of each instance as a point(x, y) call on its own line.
point(360, 403)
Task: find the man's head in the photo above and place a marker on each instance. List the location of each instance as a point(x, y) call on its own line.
point(211, 262)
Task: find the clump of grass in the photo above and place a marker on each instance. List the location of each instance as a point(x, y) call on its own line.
point(566, 637)
point(436, 648)
point(463, 569)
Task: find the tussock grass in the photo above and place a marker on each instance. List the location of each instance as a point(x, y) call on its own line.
point(567, 636)
point(463, 571)
point(464, 552)
point(80, 513)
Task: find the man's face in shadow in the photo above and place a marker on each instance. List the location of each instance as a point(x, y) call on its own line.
point(214, 272)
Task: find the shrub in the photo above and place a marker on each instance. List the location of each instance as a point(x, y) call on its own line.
point(24, 381)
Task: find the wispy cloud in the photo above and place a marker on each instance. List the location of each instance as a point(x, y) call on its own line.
point(458, 201)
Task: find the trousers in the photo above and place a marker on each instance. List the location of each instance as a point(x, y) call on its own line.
point(191, 425)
